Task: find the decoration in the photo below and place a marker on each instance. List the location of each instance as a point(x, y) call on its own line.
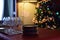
point(44, 15)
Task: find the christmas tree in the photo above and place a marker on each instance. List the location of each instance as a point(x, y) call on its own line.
point(44, 15)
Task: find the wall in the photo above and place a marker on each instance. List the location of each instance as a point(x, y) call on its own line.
point(26, 12)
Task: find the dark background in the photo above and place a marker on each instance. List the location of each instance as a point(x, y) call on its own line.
point(56, 5)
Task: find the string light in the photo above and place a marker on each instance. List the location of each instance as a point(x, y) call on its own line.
point(57, 13)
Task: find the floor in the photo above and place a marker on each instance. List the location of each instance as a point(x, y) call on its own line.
point(44, 34)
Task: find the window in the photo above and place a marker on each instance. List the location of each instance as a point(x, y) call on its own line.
point(1, 8)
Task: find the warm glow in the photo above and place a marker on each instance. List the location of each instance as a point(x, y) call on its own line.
point(45, 0)
point(29, 1)
point(37, 5)
point(26, 12)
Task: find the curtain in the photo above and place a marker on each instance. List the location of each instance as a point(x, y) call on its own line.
point(6, 10)
point(10, 7)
